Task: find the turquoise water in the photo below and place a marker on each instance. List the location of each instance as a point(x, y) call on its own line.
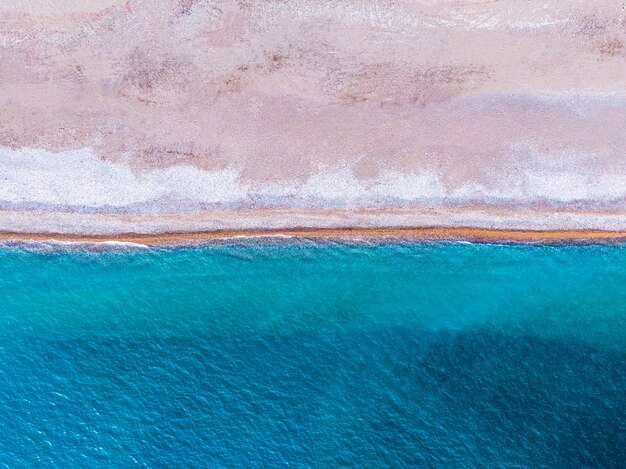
point(268, 353)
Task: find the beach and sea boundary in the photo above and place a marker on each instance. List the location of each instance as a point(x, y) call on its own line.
point(402, 233)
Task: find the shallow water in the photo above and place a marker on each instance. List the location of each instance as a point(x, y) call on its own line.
point(331, 354)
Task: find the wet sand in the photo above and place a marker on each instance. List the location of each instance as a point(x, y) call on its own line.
point(403, 233)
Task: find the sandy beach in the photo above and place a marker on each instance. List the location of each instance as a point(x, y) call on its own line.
point(189, 116)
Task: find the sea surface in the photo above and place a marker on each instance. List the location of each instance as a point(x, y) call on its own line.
point(279, 352)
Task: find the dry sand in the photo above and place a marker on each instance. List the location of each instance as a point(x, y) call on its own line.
point(128, 108)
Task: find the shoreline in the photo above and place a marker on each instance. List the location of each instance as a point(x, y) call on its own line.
point(425, 233)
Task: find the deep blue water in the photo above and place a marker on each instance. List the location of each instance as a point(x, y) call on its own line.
point(268, 353)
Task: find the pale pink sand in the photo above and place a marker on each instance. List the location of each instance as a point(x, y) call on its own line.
point(196, 115)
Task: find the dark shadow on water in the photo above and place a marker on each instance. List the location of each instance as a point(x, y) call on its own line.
point(379, 397)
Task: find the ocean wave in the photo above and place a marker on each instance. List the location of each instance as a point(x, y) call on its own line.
point(74, 245)
point(255, 236)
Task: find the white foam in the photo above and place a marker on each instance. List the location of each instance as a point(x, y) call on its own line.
point(274, 235)
point(122, 244)
point(56, 245)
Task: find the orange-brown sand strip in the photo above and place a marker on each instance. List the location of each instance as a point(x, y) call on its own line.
point(409, 233)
